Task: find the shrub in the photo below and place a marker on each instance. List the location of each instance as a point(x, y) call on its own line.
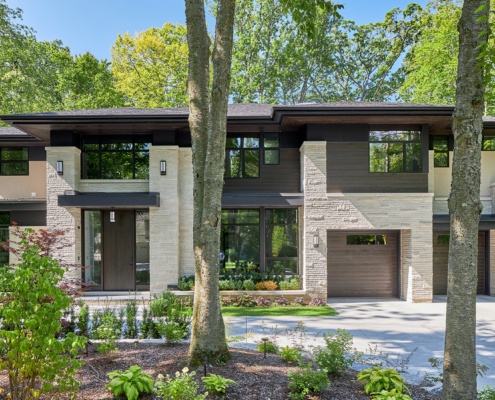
point(132, 328)
point(171, 331)
point(262, 301)
point(183, 387)
point(226, 301)
point(244, 300)
point(487, 393)
point(32, 305)
point(393, 394)
point(148, 327)
point(226, 284)
point(217, 384)
point(186, 283)
point(131, 382)
point(290, 354)
point(281, 301)
point(248, 284)
point(299, 301)
point(377, 380)
point(270, 347)
point(108, 332)
point(338, 354)
point(173, 312)
point(83, 320)
point(293, 284)
point(270, 285)
point(306, 382)
point(317, 302)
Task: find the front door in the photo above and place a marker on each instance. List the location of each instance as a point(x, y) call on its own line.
point(119, 266)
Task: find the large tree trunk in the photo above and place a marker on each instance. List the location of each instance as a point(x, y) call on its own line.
point(207, 122)
point(465, 207)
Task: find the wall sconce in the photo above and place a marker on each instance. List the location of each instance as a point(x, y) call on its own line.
point(316, 241)
point(112, 216)
point(163, 167)
point(60, 167)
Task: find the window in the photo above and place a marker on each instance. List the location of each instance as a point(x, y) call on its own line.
point(367, 239)
point(271, 151)
point(443, 239)
point(105, 157)
point(488, 143)
point(395, 151)
point(14, 161)
point(4, 236)
point(242, 157)
point(441, 151)
point(246, 232)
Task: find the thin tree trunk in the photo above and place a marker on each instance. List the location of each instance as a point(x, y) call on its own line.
point(207, 122)
point(465, 207)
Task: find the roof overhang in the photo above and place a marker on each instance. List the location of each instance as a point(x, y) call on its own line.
point(109, 200)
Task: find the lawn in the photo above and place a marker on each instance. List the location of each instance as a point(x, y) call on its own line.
point(274, 311)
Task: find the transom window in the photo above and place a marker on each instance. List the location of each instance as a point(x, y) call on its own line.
point(14, 161)
point(4, 236)
point(395, 151)
point(366, 239)
point(441, 151)
point(242, 157)
point(123, 157)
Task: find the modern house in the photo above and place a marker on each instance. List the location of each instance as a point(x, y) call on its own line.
point(350, 196)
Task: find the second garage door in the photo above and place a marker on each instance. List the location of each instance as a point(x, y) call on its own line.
point(362, 264)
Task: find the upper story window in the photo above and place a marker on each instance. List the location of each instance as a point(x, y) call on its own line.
point(112, 157)
point(488, 143)
point(395, 151)
point(14, 161)
point(441, 151)
point(242, 157)
point(271, 149)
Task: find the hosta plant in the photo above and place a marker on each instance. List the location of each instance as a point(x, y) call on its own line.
point(217, 384)
point(393, 394)
point(377, 380)
point(130, 383)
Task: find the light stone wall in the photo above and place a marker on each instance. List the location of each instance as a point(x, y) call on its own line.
point(440, 205)
point(114, 186)
point(410, 213)
point(67, 219)
point(164, 220)
point(186, 250)
point(492, 262)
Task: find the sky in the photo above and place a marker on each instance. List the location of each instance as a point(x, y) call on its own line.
point(93, 25)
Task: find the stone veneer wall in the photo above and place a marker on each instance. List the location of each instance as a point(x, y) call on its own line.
point(410, 213)
point(68, 219)
point(492, 262)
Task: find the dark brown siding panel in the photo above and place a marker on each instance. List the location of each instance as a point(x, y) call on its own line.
point(282, 178)
point(440, 264)
point(348, 172)
point(361, 270)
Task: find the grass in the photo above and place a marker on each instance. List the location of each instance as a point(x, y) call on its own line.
point(274, 311)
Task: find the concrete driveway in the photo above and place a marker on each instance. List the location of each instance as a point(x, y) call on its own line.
point(393, 326)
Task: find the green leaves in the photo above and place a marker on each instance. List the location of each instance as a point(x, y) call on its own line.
point(217, 384)
point(131, 382)
point(383, 383)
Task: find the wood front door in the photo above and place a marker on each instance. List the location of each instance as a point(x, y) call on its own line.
point(119, 266)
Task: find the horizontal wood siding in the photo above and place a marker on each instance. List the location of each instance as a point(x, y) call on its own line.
point(282, 178)
point(440, 264)
point(348, 172)
point(362, 270)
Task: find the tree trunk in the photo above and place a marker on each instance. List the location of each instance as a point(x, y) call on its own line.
point(207, 122)
point(465, 207)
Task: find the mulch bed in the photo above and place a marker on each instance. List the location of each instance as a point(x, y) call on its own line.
point(258, 378)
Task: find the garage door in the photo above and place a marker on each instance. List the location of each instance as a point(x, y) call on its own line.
point(440, 262)
point(362, 264)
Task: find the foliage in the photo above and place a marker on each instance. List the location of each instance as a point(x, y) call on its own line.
point(32, 305)
point(307, 381)
point(131, 382)
point(278, 311)
point(150, 67)
point(281, 301)
point(317, 302)
point(262, 301)
point(377, 380)
point(83, 320)
point(392, 394)
point(290, 354)
point(171, 331)
point(183, 387)
point(149, 328)
point(338, 355)
point(248, 284)
point(217, 384)
point(174, 318)
point(266, 285)
point(108, 332)
point(132, 327)
point(293, 284)
point(487, 393)
point(268, 346)
point(481, 369)
point(186, 283)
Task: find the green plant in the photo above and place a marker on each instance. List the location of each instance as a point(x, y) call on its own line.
point(217, 384)
point(171, 331)
point(267, 285)
point(338, 355)
point(487, 393)
point(183, 387)
point(244, 300)
point(290, 354)
point(32, 305)
point(292, 284)
point(248, 284)
point(393, 394)
point(307, 381)
point(108, 332)
point(131, 382)
point(83, 320)
point(377, 380)
point(270, 347)
point(131, 331)
point(437, 363)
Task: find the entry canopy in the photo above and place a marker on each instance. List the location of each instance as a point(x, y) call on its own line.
point(104, 200)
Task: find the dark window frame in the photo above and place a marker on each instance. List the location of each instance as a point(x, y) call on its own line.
point(6, 162)
point(447, 151)
point(274, 149)
point(242, 149)
point(4, 226)
point(487, 138)
point(103, 140)
point(377, 242)
point(404, 144)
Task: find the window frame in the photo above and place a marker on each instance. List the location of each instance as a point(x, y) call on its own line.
point(447, 152)
point(404, 152)
point(5, 227)
point(242, 151)
point(6, 162)
point(276, 148)
point(487, 138)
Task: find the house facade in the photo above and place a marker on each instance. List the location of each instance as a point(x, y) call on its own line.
point(350, 196)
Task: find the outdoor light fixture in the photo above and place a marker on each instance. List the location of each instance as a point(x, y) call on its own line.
point(60, 167)
point(112, 216)
point(163, 167)
point(316, 241)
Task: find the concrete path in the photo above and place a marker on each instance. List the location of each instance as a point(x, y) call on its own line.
point(393, 326)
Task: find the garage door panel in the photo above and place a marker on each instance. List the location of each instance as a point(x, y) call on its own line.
point(362, 270)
